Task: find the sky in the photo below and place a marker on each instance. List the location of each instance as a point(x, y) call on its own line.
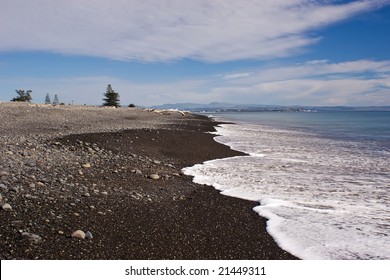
point(273, 52)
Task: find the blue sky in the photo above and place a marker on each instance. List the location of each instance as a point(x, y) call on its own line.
point(306, 52)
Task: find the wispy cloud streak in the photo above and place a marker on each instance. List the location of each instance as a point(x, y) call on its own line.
point(157, 30)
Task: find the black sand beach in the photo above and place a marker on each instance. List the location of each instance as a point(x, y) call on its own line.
point(129, 214)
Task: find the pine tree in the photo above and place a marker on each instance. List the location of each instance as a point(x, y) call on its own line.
point(24, 96)
point(47, 99)
point(112, 97)
point(55, 100)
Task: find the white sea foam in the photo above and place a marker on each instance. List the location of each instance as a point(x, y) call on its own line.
point(324, 198)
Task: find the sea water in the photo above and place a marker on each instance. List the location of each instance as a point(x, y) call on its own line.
point(321, 179)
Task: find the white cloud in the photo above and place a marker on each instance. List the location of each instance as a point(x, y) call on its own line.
point(361, 82)
point(235, 76)
point(162, 30)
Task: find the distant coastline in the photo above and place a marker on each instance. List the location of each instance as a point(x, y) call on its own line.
point(229, 107)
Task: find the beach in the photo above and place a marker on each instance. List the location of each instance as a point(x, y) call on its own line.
point(115, 173)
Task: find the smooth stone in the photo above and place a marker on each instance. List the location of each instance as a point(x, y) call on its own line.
point(31, 237)
point(6, 207)
point(88, 235)
point(104, 193)
point(86, 195)
point(78, 234)
point(138, 172)
point(154, 176)
point(1, 198)
point(86, 165)
point(15, 189)
point(3, 187)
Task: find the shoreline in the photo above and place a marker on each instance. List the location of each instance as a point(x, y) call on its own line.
point(108, 190)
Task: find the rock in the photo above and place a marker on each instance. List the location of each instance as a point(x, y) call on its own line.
point(154, 176)
point(157, 162)
point(138, 172)
point(88, 235)
point(104, 193)
point(3, 187)
point(15, 189)
point(31, 237)
point(3, 173)
point(78, 234)
point(41, 184)
point(1, 198)
point(86, 195)
point(16, 222)
point(6, 207)
point(86, 165)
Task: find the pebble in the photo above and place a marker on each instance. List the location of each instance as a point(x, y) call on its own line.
point(88, 235)
point(86, 195)
point(31, 237)
point(15, 189)
point(1, 198)
point(3, 173)
point(6, 207)
point(104, 193)
point(78, 234)
point(154, 176)
point(3, 187)
point(86, 165)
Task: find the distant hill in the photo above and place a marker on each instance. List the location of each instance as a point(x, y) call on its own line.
point(214, 106)
point(230, 107)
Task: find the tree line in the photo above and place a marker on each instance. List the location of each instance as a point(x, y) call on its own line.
point(111, 97)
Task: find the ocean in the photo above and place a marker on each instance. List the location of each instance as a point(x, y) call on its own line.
point(322, 179)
